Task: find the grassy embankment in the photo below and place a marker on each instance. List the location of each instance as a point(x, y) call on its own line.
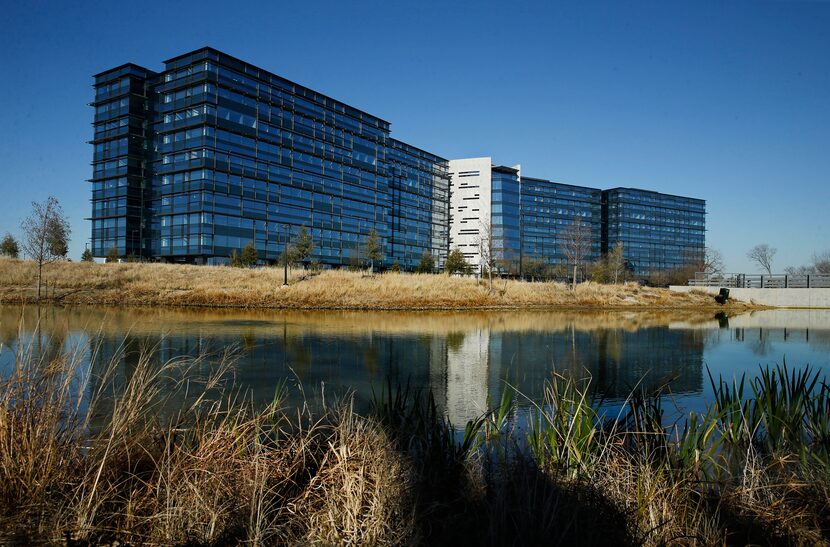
point(179, 285)
point(218, 471)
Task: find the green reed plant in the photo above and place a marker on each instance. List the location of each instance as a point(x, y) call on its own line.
point(564, 431)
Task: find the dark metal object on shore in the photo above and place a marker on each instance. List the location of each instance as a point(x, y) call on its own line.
point(723, 296)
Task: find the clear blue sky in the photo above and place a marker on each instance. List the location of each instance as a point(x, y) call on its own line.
point(727, 101)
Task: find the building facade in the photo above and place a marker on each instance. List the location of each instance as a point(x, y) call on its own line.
point(658, 232)
point(548, 210)
point(485, 212)
point(195, 162)
point(210, 154)
point(537, 219)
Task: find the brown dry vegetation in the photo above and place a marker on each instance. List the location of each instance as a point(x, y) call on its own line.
point(181, 285)
point(218, 471)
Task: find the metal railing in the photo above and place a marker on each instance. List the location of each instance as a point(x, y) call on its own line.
point(761, 281)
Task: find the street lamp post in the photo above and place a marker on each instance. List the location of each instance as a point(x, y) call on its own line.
point(287, 229)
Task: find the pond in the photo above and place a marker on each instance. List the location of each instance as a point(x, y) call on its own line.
point(466, 359)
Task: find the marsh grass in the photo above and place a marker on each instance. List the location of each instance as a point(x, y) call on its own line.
point(147, 284)
point(146, 456)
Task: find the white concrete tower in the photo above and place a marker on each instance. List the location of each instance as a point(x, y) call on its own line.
point(470, 198)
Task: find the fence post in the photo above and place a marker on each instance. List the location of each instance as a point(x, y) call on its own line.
point(762, 281)
point(808, 281)
point(786, 282)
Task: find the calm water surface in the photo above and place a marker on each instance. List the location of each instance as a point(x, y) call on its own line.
point(464, 358)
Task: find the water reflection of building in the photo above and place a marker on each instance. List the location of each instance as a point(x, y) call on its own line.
point(467, 375)
point(465, 371)
point(617, 361)
point(464, 359)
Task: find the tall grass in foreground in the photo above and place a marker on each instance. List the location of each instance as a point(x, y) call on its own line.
point(129, 465)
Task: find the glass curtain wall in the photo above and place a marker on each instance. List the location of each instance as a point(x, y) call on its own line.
point(119, 161)
point(548, 208)
point(419, 189)
point(657, 231)
point(504, 218)
point(244, 156)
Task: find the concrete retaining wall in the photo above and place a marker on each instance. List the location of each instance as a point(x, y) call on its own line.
point(780, 298)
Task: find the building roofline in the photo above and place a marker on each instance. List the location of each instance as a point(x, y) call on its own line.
point(562, 183)
point(653, 192)
point(119, 67)
point(419, 149)
point(237, 59)
point(488, 158)
point(503, 168)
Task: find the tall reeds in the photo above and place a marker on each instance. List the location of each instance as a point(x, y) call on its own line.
point(138, 453)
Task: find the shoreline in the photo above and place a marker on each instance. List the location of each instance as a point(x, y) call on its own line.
point(218, 287)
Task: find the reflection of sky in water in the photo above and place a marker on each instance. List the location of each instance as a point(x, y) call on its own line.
point(464, 358)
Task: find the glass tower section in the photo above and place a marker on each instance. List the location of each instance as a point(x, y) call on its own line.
point(246, 156)
point(211, 154)
point(119, 160)
point(657, 231)
point(420, 194)
point(504, 217)
point(548, 208)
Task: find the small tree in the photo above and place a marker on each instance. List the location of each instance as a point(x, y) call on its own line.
point(112, 254)
point(533, 268)
point(615, 263)
point(47, 235)
point(287, 257)
point(598, 270)
point(396, 267)
point(763, 255)
point(9, 246)
point(249, 255)
point(427, 263)
point(487, 251)
point(576, 245)
point(373, 249)
point(303, 247)
point(456, 263)
point(86, 256)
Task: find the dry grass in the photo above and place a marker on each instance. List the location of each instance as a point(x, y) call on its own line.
point(213, 472)
point(131, 460)
point(181, 285)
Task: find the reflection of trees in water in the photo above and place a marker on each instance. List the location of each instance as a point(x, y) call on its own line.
point(455, 340)
point(38, 334)
point(371, 360)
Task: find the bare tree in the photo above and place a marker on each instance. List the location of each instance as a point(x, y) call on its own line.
point(820, 265)
point(821, 262)
point(46, 235)
point(798, 270)
point(487, 250)
point(616, 263)
point(763, 255)
point(576, 245)
point(712, 261)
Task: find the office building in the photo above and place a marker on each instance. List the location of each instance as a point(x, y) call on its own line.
point(658, 232)
point(196, 161)
point(549, 209)
point(534, 219)
point(485, 212)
